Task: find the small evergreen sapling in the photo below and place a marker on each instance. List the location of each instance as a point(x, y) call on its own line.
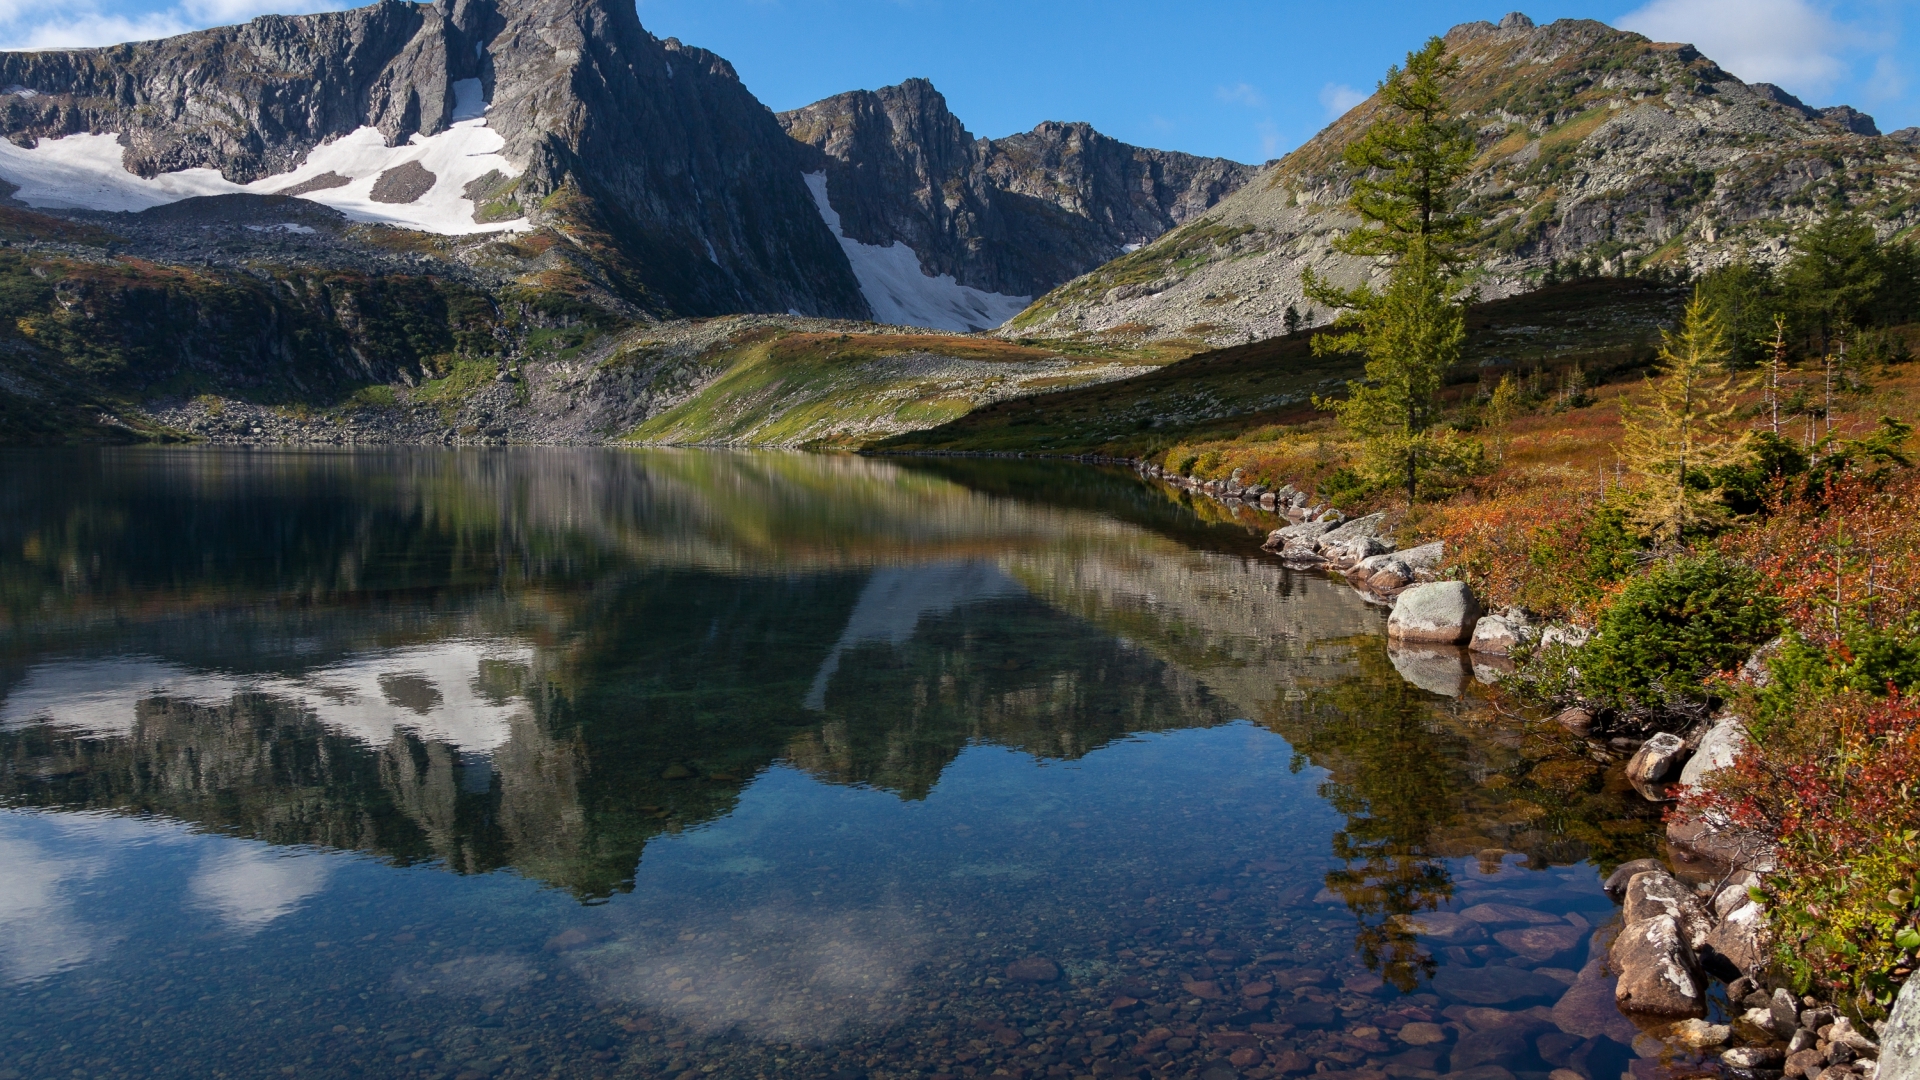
point(1685, 431)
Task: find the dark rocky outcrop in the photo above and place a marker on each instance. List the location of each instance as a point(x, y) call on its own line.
point(1017, 215)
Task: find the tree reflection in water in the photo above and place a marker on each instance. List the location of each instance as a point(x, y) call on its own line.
point(1425, 781)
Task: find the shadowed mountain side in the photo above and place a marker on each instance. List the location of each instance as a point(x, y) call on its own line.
point(667, 184)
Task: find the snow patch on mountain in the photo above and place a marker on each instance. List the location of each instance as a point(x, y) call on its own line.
point(900, 291)
point(85, 172)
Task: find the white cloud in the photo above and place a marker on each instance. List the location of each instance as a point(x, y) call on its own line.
point(1270, 142)
point(222, 12)
point(1241, 94)
point(38, 935)
point(82, 25)
point(1338, 98)
point(87, 29)
point(1793, 43)
point(1889, 81)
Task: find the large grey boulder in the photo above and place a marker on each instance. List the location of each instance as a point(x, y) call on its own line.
point(1655, 894)
point(1368, 525)
point(1437, 613)
point(1718, 749)
point(1348, 552)
point(1742, 938)
point(1426, 558)
point(1659, 974)
point(1301, 538)
point(1900, 1036)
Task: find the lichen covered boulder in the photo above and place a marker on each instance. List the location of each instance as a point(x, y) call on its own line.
point(1437, 613)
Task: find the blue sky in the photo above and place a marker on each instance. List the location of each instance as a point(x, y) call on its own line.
point(1237, 78)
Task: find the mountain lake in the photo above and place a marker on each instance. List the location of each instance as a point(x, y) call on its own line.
point(678, 763)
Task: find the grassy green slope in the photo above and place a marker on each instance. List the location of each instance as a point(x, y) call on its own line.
point(1604, 325)
point(785, 387)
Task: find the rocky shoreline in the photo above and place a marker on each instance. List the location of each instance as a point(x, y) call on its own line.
point(1687, 923)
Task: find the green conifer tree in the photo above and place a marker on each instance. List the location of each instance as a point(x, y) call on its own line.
point(1406, 173)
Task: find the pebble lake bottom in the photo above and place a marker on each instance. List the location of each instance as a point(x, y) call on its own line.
point(544, 763)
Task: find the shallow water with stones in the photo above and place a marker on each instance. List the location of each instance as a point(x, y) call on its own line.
point(694, 764)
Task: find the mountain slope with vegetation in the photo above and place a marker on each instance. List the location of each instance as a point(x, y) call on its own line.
point(1595, 147)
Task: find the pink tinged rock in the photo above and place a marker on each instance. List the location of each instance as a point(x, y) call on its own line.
point(1509, 915)
point(1659, 974)
point(1694, 837)
point(1497, 635)
point(1422, 1034)
point(1033, 969)
point(1588, 1009)
point(1656, 892)
point(1654, 764)
point(1444, 926)
point(1540, 943)
point(1900, 1036)
point(1719, 749)
point(1738, 893)
point(1576, 720)
point(1616, 883)
point(1742, 937)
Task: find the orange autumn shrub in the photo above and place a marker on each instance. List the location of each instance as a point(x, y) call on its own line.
point(1553, 551)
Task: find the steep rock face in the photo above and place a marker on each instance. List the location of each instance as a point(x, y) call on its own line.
point(688, 176)
point(1013, 216)
point(290, 82)
point(1596, 144)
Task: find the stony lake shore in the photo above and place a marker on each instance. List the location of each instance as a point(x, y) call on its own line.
point(1688, 922)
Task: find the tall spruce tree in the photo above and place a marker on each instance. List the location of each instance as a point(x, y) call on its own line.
point(1407, 168)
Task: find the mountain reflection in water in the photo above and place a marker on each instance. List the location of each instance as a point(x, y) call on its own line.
point(682, 676)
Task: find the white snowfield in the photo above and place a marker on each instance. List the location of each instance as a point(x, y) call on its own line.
point(900, 291)
point(84, 172)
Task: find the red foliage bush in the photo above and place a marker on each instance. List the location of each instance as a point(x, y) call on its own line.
point(1848, 553)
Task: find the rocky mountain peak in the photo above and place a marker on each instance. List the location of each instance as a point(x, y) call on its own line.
point(692, 189)
point(1012, 216)
point(1596, 144)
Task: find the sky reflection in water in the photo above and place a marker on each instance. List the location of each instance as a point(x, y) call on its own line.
point(496, 764)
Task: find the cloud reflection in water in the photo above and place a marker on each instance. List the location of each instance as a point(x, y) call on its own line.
point(250, 885)
point(776, 972)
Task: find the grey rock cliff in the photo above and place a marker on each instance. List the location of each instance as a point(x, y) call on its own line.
point(1017, 215)
point(690, 181)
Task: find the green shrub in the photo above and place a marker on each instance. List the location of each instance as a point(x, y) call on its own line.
point(1612, 550)
point(1746, 487)
point(1688, 617)
point(1867, 660)
point(1343, 487)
